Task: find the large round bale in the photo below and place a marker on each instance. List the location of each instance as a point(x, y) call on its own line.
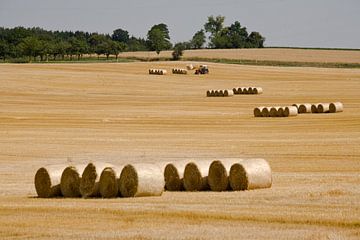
point(47, 181)
point(195, 175)
point(221, 93)
point(140, 180)
point(323, 108)
point(280, 112)
point(265, 112)
point(240, 90)
point(336, 107)
point(297, 105)
point(305, 108)
point(108, 183)
point(208, 93)
point(216, 93)
point(70, 180)
point(314, 108)
point(258, 111)
point(212, 93)
point(89, 184)
point(189, 67)
point(274, 111)
point(250, 174)
point(250, 90)
point(174, 175)
point(235, 91)
point(257, 90)
point(228, 93)
point(290, 111)
point(219, 171)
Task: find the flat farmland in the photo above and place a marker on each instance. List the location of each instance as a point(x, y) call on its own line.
point(58, 113)
point(261, 54)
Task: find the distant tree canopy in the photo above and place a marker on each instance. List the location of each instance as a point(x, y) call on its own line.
point(37, 44)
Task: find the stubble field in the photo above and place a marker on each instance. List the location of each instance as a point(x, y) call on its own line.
point(118, 113)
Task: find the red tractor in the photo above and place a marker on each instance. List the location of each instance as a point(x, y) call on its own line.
point(203, 69)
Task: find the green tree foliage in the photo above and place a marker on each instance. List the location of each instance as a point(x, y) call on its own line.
point(30, 47)
point(198, 39)
point(214, 24)
point(178, 51)
point(158, 38)
point(120, 35)
point(256, 40)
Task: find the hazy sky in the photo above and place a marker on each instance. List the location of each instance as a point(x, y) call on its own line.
point(305, 23)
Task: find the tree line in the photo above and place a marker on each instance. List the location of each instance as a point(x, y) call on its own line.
point(31, 44)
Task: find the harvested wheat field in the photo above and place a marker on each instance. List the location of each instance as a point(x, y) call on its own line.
point(118, 113)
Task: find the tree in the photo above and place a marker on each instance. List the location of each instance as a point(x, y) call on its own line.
point(237, 35)
point(214, 25)
point(178, 51)
point(255, 40)
point(198, 39)
point(158, 38)
point(30, 47)
point(117, 48)
point(4, 49)
point(120, 35)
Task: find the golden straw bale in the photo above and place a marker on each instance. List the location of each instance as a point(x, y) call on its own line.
point(47, 180)
point(219, 171)
point(174, 175)
point(336, 107)
point(196, 174)
point(290, 111)
point(323, 108)
point(70, 180)
point(305, 108)
point(109, 180)
point(258, 111)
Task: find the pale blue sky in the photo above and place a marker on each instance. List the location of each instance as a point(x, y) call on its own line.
point(303, 23)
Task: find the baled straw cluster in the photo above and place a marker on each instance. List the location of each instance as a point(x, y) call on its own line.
point(179, 71)
point(189, 67)
point(277, 111)
point(247, 90)
point(149, 179)
point(157, 71)
point(319, 107)
point(219, 93)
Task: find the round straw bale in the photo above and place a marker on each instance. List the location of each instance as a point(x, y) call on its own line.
point(245, 90)
point(280, 112)
point(257, 111)
point(216, 93)
point(235, 91)
point(274, 111)
point(296, 105)
point(290, 111)
point(305, 108)
point(142, 179)
point(314, 108)
point(174, 174)
point(323, 108)
point(164, 72)
point(221, 93)
point(70, 180)
point(89, 184)
point(336, 107)
point(257, 90)
point(47, 181)
point(208, 93)
point(228, 93)
point(250, 174)
point(219, 170)
point(195, 175)
point(212, 93)
point(108, 183)
point(189, 67)
point(251, 90)
point(239, 90)
point(265, 112)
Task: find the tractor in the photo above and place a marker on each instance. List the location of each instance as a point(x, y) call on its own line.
point(203, 69)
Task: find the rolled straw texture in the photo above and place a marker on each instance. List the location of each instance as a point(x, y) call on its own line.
point(290, 111)
point(305, 108)
point(108, 183)
point(70, 180)
point(174, 175)
point(323, 108)
point(336, 107)
point(89, 184)
point(219, 171)
point(47, 181)
point(141, 179)
point(250, 174)
point(258, 111)
point(195, 175)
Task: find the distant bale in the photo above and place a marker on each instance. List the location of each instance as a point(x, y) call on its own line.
point(323, 108)
point(245, 91)
point(228, 93)
point(250, 90)
point(108, 183)
point(265, 112)
point(314, 108)
point(47, 181)
point(189, 67)
point(258, 111)
point(290, 111)
point(305, 108)
point(235, 91)
point(219, 171)
point(274, 111)
point(296, 105)
point(89, 184)
point(336, 107)
point(217, 94)
point(70, 180)
point(221, 93)
point(257, 90)
point(142, 179)
point(212, 93)
point(195, 176)
point(208, 93)
point(250, 174)
point(239, 90)
point(280, 112)
point(174, 175)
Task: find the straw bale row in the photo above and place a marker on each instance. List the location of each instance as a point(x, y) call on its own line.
point(179, 71)
point(248, 90)
point(277, 111)
point(145, 179)
point(333, 107)
point(220, 93)
point(157, 71)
